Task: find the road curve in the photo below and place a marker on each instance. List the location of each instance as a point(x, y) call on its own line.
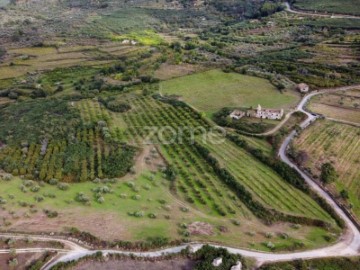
point(348, 244)
point(309, 13)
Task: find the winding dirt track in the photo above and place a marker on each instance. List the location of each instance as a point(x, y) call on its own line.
point(348, 244)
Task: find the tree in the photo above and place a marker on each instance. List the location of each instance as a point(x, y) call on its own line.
point(328, 173)
point(301, 158)
point(170, 173)
point(344, 194)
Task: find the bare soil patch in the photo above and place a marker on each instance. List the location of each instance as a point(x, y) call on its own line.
point(200, 228)
point(24, 260)
point(177, 264)
point(102, 224)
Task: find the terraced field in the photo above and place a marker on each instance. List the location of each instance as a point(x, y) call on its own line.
point(339, 144)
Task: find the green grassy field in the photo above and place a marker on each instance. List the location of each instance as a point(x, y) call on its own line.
point(212, 90)
point(331, 6)
point(328, 141)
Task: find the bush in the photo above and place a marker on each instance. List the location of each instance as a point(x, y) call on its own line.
point(7, 177)
point(81, 197)
point(100, 200)
point(63, 186)
point(53, 182)
point(328, 173)
point(50, 213)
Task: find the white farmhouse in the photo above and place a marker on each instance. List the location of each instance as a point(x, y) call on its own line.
point(260, 112)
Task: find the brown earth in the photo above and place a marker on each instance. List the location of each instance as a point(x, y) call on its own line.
point(177, 264)
point(200, 228)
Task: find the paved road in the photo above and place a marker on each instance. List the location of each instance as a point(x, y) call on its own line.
point(309, 13)
point(348, 244)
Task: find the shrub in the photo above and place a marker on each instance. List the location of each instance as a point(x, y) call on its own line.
point(7, 177)
point(53, 182)
point(100, 200)
point(2, 200)
point(63, 186)
point(81, 197)
point(50, 213)
point(270, 245)
point(39, 198)
point(13, 263)
point(35, 188)
point(328, 173)
point(152, 216)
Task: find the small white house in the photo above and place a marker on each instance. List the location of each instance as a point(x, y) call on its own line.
point(237, 114)
point(237, 266)
point(217, 262)
point(303, 88)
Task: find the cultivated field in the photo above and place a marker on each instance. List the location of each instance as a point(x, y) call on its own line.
point(212, 90)
point(339, 144)
point(145, 203)
point(342, 105)
point(331, 6)
point(337, 53)
point(197, 184)
point(265, 184)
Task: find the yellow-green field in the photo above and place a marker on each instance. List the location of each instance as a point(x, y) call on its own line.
point(212, 90)
point(327, 141)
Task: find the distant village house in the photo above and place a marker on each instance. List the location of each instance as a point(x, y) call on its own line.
point(303, 88)
point(127, 41)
